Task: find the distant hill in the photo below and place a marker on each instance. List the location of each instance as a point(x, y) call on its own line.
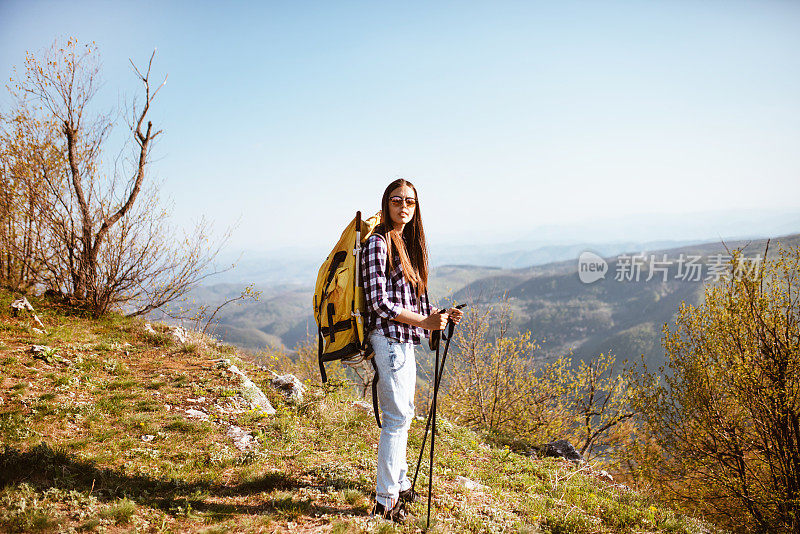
point(624, 317)
point(522, 254)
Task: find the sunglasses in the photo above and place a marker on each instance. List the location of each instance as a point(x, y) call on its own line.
point(398, 201)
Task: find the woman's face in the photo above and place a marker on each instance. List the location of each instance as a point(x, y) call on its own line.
point(400, 212)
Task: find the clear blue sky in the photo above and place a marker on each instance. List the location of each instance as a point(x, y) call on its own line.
point(507, 115)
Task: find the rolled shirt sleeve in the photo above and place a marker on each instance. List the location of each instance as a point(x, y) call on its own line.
point(374, 279)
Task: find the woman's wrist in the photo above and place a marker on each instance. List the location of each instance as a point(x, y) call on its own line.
point(410, 318)
point(434, 321)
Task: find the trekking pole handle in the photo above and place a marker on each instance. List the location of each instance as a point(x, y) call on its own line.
point(460, 306)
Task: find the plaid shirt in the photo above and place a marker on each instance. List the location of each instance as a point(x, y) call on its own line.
point(386, 295)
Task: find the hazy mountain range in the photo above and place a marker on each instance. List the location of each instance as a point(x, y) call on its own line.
point(519, 248)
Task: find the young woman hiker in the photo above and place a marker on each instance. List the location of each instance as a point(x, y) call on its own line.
point(394, 269)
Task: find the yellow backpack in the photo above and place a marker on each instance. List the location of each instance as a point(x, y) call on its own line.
point(339, 302)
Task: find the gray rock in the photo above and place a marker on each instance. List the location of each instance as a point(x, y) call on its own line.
point(47, 354)
point(21, 305)
point(36, 350)
point(252, 393)
point(179, 334)
point(470, 484)
point(560, 449)
point(242, 439)
point(290, 386)
point(197, 414)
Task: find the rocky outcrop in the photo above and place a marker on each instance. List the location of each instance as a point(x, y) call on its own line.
point(251, 392)
point(242, 439)
point(560, 449)
point(47, 355)
point(290, 386)
point(470, 484)
point(22, 305)
point(177, 333)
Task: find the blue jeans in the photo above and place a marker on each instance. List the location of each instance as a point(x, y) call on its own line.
point(397, 371)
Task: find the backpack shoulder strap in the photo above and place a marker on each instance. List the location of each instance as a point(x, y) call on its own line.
point(375, 379)
point(376, 376)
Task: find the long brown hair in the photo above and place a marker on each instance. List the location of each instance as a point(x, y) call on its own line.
point(414, 255)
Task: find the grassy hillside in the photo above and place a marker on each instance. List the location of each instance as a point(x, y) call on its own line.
point(96, 436)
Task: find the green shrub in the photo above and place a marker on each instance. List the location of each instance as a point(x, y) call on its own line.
point(121, 511)
point(178, 424)
point(717, 418)
point(352, 497)
point(157, 339)
point(22, 509)
point(190, 348)
point(287, 506)
point(13, 426)
point(127, 383)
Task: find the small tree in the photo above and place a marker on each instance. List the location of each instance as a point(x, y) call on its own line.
point(108, 242)
point(600, 403)
point(29, 156)
point(496, 384)
point(721, 425)
point(487, 381)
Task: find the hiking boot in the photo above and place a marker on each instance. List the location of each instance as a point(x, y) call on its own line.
point(410, 496)
point(397, 513)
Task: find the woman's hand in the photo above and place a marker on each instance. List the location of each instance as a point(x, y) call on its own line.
point(435, 321)
point(455, 315)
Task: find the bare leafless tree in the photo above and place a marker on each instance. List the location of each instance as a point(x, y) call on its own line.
point(109, 243)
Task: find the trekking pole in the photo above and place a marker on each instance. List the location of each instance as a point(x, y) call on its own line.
point(430, 413)
point(437, 378)
point(427, 423)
